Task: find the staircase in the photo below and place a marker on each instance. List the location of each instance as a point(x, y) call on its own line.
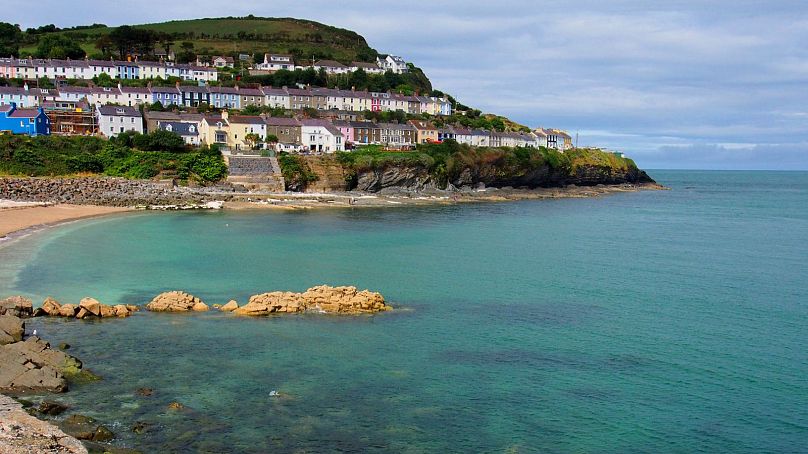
point(255, 173)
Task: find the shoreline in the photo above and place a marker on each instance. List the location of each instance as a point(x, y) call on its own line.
point(19, 219)
point(21, 432)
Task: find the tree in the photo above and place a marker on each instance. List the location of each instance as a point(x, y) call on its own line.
point(103, 80)
point(251, 110)
point(44, 82)
point(105, 44)
point(157, 106)
point(252, 140)
point(272, 138)
point(10, 35)
point(203, 107)
point(58, 46)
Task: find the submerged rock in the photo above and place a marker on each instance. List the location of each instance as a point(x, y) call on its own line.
point(18, 306)
point(175, 406)
point(145, 392)
point(51, 408)
point(176, 301)
point(324, 299)
point(86, 428)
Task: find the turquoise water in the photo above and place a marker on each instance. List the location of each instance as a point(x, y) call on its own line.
point(661, 321)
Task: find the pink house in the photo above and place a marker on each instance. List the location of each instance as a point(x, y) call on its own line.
point(346, 129)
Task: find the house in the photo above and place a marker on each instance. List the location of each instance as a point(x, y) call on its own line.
point(370, 68)
point(276, 97)
point(194, 95)
point(251, 97)
point(154, 118)
point(214, 130)
point(321, 136)
point(395, 135)
point(134, 96)
point(32, 122)
point(167, 96)
point(480, 138)
point(20, 96)
point(223, 62)
point(364, 132)
point(557, 139)
point(346, 129)
point(69, 117)
point(392, 63)
point(188, 131)
point(541, 137)
point(447, 133)
point(330, 66)
point(275, 62)
point(105, 95)
point(464, 136)
point(425, 131)
point(113, 120)
point(243, 128)
point(287, 130)
point(225, 97)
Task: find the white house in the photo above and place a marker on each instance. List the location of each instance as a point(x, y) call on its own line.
point(370, 68)
point(222, 62)
point(113, 120)
point(321, 136)
point(275, 62)
point(393, 63)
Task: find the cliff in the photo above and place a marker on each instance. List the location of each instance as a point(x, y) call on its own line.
point(451, 165)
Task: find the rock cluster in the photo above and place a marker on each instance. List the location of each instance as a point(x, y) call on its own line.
point(87, 308)
point(324, 298)
point(11, 329)
point(104, 191)
point(176, 301)
point(31, 365)
point(17, 306)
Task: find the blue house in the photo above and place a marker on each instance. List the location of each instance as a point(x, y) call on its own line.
point(32, 122)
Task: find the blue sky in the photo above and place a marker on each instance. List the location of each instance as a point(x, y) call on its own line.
point(714, 84)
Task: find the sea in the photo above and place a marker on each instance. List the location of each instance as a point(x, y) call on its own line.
point(655, 321)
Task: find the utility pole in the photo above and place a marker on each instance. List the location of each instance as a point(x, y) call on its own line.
point(576, 139)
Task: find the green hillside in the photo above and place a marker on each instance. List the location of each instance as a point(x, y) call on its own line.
point(228, 36)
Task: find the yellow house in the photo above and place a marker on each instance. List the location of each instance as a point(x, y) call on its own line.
point(214, 130)
point(425, 131)
point(242, 128)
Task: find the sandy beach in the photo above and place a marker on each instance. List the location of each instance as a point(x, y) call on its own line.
point(16, 217)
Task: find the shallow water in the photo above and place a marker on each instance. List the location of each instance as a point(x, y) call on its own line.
point(670, 321)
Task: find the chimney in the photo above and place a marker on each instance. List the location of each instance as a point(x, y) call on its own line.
point(225, 115)
point(178, 85)
point(25, 86)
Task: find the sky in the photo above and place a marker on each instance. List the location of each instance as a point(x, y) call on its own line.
point(679, 84)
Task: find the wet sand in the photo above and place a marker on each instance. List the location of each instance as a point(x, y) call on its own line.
point(15, 217)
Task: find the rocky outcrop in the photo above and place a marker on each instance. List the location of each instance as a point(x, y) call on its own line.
point(18, 306)
point(176, 301)
point(11, 329)
point(229, 307)
point(31, 365)
point(411, 177)
point(22, 433)
point(86, 428)
point(323, 299)
point(87, 308)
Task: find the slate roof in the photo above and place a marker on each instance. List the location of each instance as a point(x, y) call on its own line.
point(119, 111)
point(183, 129)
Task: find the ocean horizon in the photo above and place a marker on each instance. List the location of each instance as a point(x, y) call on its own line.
point(653, 321)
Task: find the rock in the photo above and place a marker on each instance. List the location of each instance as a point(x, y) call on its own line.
point(21, 432)
point(175, 406)
point(32, 365)
point(103, 434)
point(334, 300)
point(229, 307)
point(51, 307)
point(18, 306)
point(176, 301)
point(51, 408)
point(64, 346)
point(141, 427)
point(108, 311)
point(132, 308)
point(145, 392)
point(68, 310)
point(11, 329)
point(91, 305)
point(82, 313)
point(121, 310)
point(79, 426)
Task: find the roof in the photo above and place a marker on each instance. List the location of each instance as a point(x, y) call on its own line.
point(248, 119)
point(422, 124)
point(281, 121)
point(329, 64)
point(183, 129)
point(118, 111)
point(227, 59)
point(135, 90)
point(364, 64)
point(316, 122)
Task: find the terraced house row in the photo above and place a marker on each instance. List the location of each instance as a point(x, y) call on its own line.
point(232, 98)
point(243, 133)
point(36, 68)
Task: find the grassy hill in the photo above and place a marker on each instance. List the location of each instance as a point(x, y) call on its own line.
point(233, 35)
